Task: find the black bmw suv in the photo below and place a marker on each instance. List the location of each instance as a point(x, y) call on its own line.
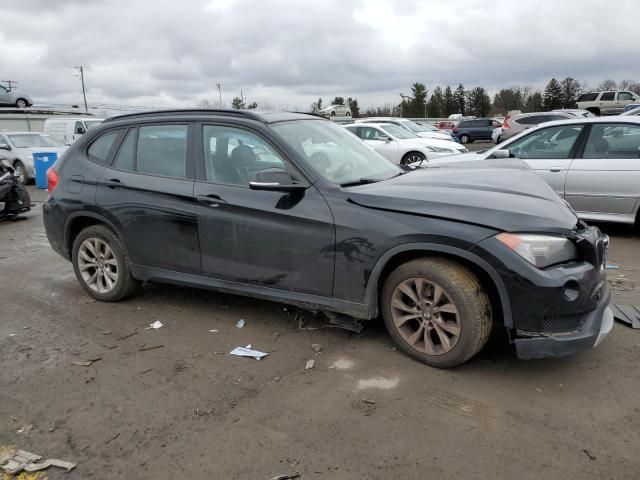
point(293, 208)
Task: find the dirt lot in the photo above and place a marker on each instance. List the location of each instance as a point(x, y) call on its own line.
point(187, 409)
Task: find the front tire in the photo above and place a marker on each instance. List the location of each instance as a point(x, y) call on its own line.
point(436, 311)
point(413, 157)
point(22, 103)
point(101, 264)
point(21, 172)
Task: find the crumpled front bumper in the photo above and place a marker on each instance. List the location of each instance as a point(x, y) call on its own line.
point(596, 326)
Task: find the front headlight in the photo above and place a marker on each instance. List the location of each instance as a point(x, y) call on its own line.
point(540, 250)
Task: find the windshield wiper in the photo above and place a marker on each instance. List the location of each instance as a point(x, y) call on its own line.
point(362, 181)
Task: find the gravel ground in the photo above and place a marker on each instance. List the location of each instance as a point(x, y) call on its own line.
point(171, 403)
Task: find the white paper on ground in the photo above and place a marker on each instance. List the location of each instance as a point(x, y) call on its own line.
point(247, 352)
point(155, 325)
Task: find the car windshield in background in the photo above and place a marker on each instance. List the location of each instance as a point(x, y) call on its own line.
point(33, 141)
point(335, 153)
point(415, 127)
point(398, 132)
point(92, 124)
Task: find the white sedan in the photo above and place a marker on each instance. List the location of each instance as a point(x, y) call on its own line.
point(401, 146)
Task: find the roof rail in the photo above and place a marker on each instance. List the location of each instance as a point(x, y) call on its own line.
point(189, 111)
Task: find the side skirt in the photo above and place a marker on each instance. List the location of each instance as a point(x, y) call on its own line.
point(302, 300)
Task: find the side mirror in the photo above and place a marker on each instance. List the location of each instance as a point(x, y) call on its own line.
point(385, 139)
point(5, 146)
point(275, 180)
point(504, 153)
point(80, 131)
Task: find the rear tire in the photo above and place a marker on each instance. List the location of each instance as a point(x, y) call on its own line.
point(101, 264)
point(21, 172)
point(22, 103)
point(445, 324)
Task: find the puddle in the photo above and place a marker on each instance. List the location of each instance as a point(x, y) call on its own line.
point(382, 383)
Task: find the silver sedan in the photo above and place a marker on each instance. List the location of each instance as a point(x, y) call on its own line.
point(593, 163)
point(18, 149)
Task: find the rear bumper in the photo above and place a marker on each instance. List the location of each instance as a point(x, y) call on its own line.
point(595, 327)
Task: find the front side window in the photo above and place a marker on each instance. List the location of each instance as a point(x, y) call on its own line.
point(607, 96)
point(233, 155)
point(398, 132)
point(162, 150)
point(334, 153)
point(3, 90)
point(370, 133)
point(625, 96)
point(546, 143)
point(616, 140)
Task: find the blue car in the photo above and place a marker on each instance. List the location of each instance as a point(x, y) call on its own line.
point(468, 131)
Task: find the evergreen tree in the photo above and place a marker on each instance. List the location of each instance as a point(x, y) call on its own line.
point(338, 101)
point(449, 106)
point(460, 100)
point(479, 102)
point(435, 108)
point(570, 91)
point(552, 97)
point(353, 107)
point(534, 103)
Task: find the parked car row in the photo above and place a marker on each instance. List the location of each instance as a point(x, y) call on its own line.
point(13, 98)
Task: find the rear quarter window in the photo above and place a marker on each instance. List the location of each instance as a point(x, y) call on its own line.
point(587, 97)
point(101, 147)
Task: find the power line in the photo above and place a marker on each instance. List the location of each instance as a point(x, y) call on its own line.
point(11, 84)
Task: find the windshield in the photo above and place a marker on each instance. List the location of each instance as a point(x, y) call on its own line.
point(29, 140)
point(416, 127)
point(333, 152)
point(398, 132)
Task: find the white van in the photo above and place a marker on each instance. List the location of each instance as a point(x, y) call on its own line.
point(67, 130)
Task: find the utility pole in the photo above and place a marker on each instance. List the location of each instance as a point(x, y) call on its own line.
point(84, 93)
point(219, 85)
point(11, 84)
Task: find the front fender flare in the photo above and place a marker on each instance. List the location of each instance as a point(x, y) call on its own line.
point(371, 292)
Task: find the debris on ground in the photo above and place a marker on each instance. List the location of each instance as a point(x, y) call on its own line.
point(588, 453)
point(316, 347)
point(247, 352)
point(213, 331)
point(85, 363)
point(344, 321)
point(146, 349)
point(287, 476)
point(129, 335)
point(155, 325)
point(611, 266)
point(241, 323)
point(310, 364)
point(85, 299)
point(627, 314)
point(25, 429)
point(14, 461)
point(365, 406)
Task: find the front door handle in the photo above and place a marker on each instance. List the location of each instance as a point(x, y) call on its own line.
point(556, 169)
point(113, 183)
point(212, 200)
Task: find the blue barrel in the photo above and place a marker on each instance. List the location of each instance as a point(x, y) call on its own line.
point(41, 163)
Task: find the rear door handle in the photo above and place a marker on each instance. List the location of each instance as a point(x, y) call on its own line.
point(113, 183)
point(212, 200)
point(556, 169)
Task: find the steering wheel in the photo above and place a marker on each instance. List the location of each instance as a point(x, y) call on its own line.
point(344, 169)
point(321, 161)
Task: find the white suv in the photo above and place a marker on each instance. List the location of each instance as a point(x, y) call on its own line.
point(611, 102)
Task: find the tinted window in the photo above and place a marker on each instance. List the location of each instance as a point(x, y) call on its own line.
point(607, 96)
point(465, 124)
point(353, 130)
point(625, 96)
point(126, 154)
point(613, 141)
point(530, 120)
point(233, 155)
point(162, 150)
point(100, 148)
point(587, 97)
point(552, 142)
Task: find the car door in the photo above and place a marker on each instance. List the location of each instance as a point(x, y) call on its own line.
point(487, 129)
point(549, 151)
point(254, 237)
point(607, 102)
point(147, 191)
point(5, 96)
point(622, 99)
point(605, 176)
point(381, 142)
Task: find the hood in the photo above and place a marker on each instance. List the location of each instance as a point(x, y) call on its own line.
point(459, 157)
point(433, 142)
point(435, 135)
point(505, 195)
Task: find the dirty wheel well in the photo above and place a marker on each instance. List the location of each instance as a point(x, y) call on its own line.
point(485, 280)
point(77, 225)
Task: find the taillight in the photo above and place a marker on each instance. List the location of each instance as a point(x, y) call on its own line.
point(454, 129)
point(505, 123)
point(52, 180)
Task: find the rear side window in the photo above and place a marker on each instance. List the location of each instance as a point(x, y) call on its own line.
point(530, 120)
point(100, 148)
point(587, 97)
point(162, 150)
point(607, 96)
point(465, 124)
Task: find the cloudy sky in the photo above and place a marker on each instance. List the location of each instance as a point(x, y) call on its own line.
point(287, 53)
